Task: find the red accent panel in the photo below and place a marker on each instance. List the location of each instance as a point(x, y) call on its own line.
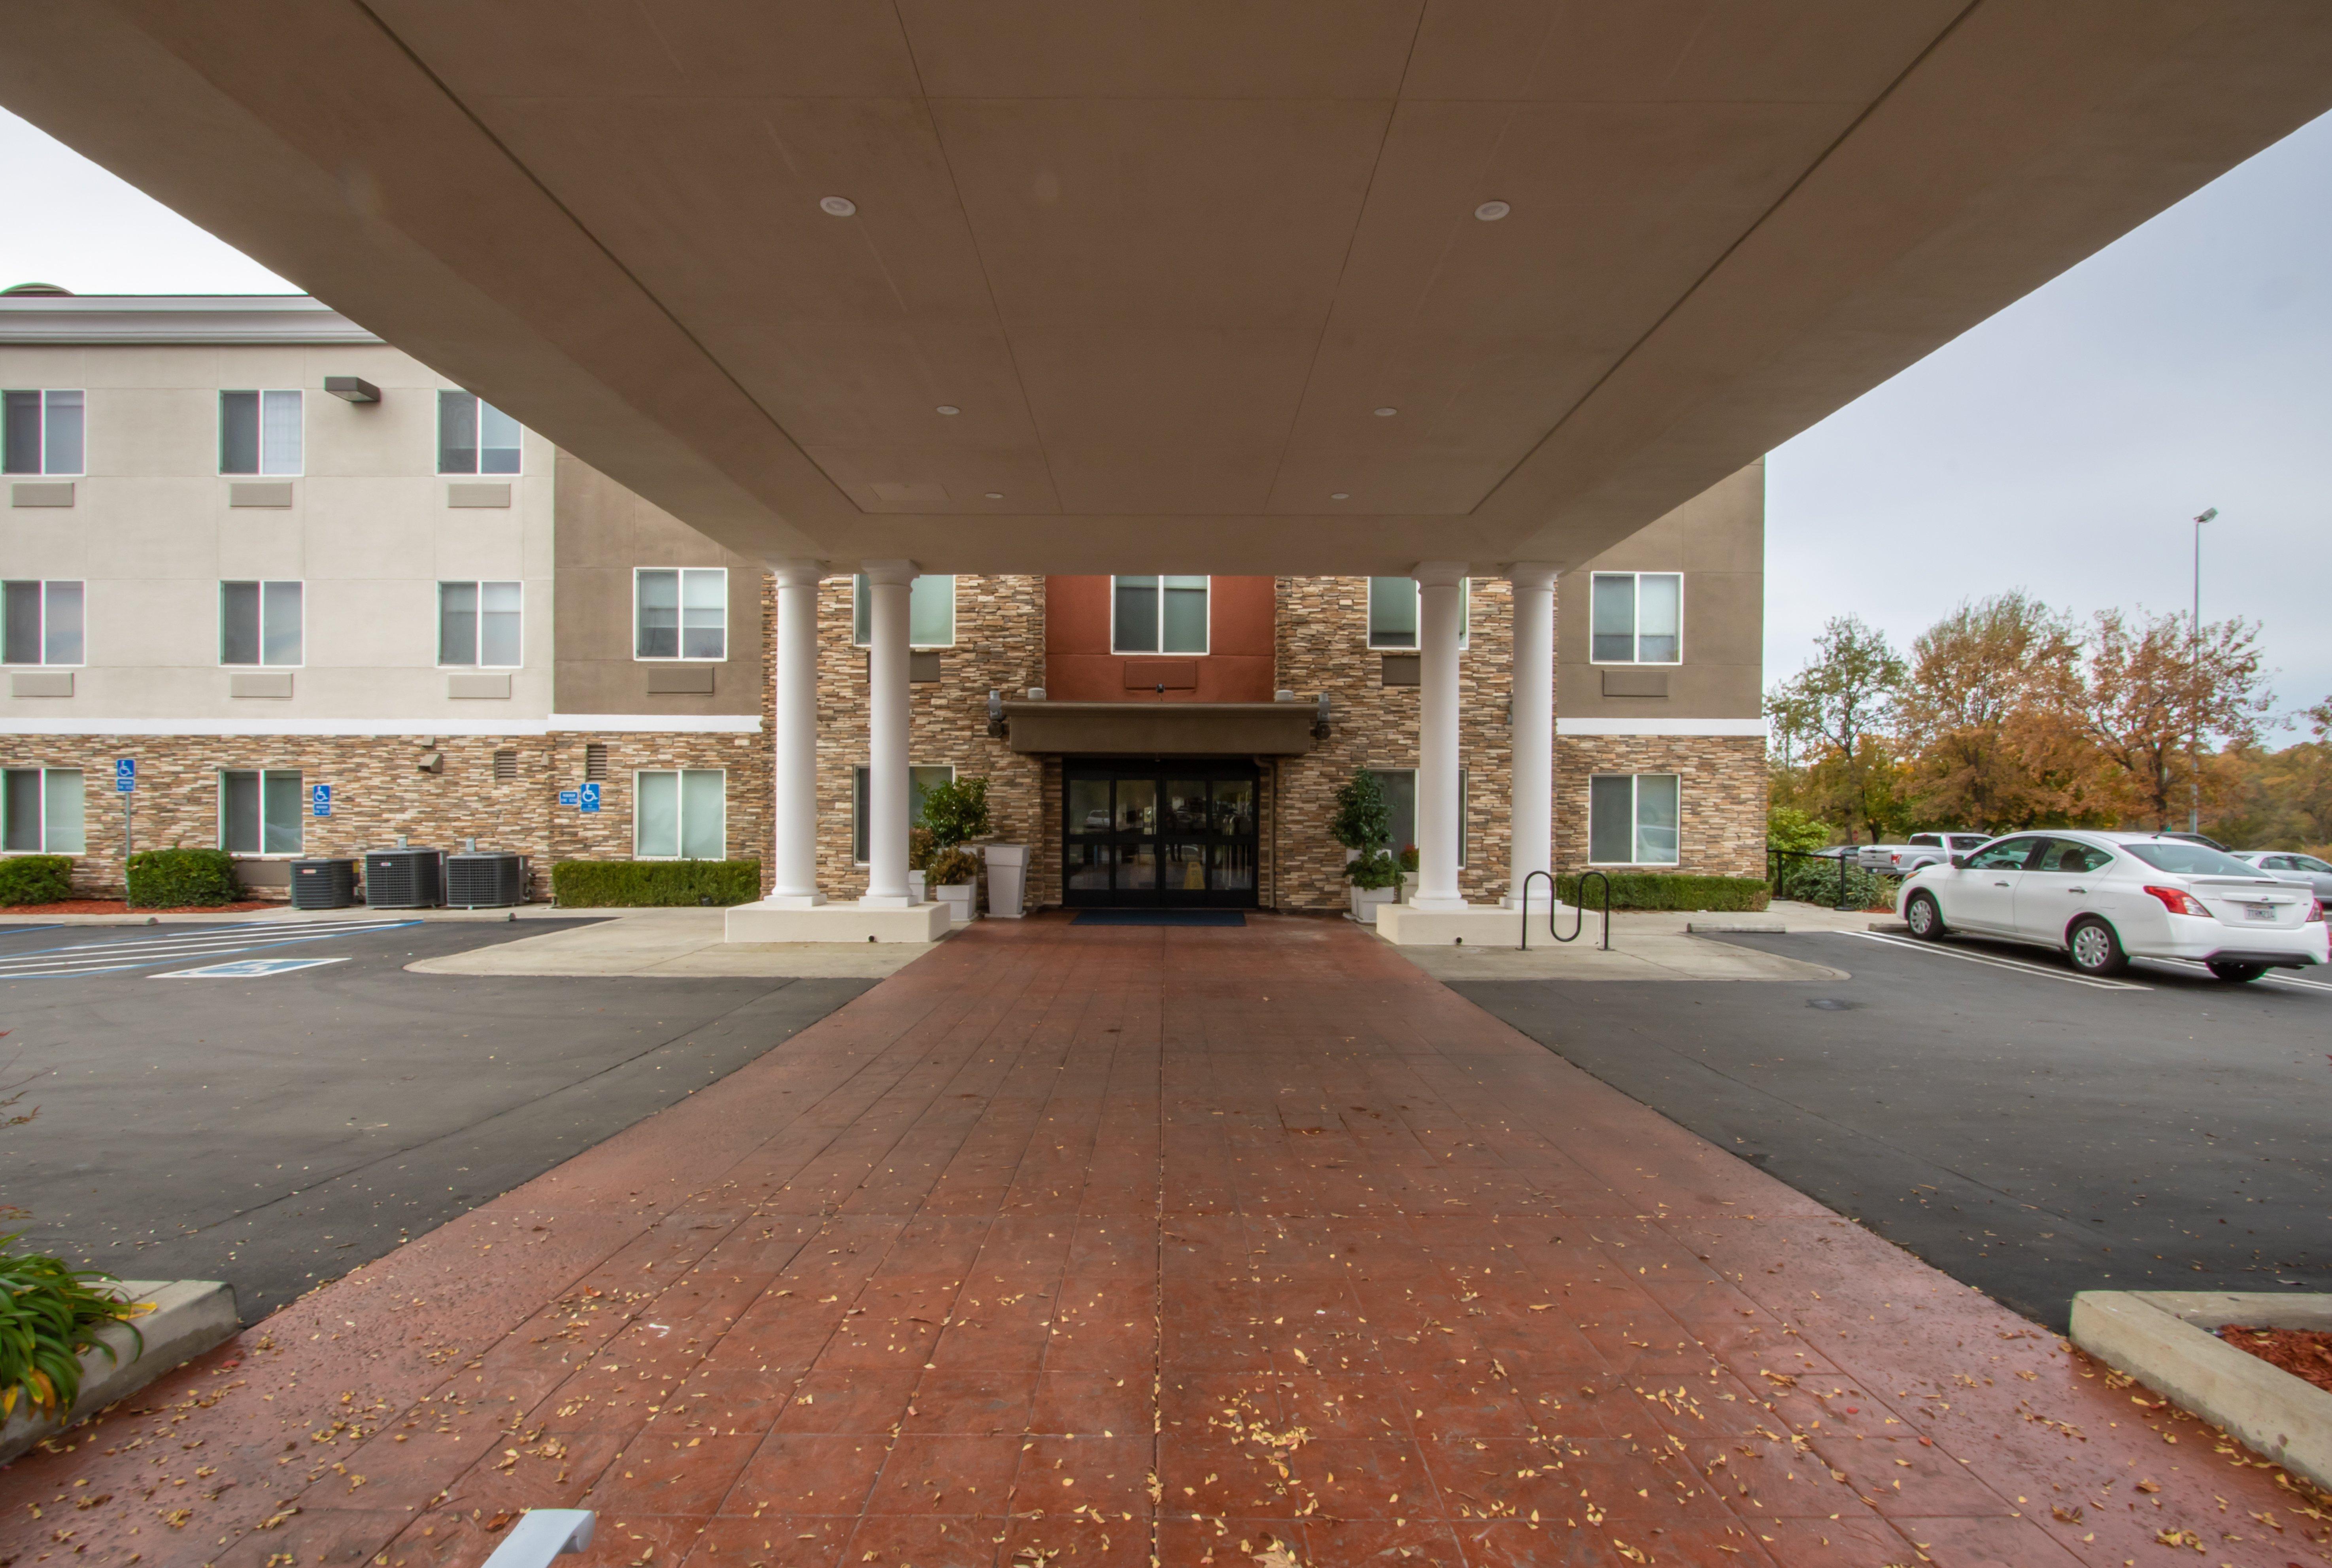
point(1080, 668)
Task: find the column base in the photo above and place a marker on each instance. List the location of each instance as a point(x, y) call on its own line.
point(1475, 925)
point(791, 901)
point(889, 901)
point(856, 923)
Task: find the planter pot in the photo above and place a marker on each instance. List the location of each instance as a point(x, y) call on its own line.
point(1367, 901)
point(1007, 875)
point(958, 897)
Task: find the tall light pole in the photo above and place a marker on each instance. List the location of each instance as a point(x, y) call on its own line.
point(2195, 673)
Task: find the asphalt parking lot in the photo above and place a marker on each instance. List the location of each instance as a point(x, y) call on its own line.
point(2025, 1130)
point(276, 1130)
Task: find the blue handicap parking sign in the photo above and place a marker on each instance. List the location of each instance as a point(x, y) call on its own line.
point(125, 775)
point(590, 797)
point(570, 798)
point(322, 799)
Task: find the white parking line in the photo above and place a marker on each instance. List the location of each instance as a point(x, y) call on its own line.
point(2278, 976)
point(2044, 970)
point(112, 957)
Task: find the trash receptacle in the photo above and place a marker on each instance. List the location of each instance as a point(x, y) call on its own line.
point(323, 884)
point(1008, 874)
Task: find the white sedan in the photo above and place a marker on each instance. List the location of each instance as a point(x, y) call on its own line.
point(2105, 898)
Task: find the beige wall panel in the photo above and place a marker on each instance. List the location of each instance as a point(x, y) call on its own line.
point(263, 543)
point(150, 527)
point(375, 624)
point(169, 432)
point(39, 542)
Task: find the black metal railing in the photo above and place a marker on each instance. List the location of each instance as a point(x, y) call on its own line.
point(1578, 911)
point(1776, 859)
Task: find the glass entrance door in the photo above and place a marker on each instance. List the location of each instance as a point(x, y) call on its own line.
point(1143, 835)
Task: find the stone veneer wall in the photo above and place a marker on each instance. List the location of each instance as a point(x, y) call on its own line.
point(1000, 645)
point(1722, 791)
point(379, 791)
point(1322, 644)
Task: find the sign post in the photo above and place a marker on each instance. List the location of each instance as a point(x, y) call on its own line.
point(125, 784)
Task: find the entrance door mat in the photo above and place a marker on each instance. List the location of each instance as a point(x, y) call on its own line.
point(1160, 917)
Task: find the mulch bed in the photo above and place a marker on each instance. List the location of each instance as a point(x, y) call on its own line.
point(119, 906)
point(2303, 1353)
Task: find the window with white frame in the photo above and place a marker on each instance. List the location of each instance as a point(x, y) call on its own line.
point(40, 432)
point(1399, 785)
point(259, 432)
point(1393, 612)
point(1158, 615)
point(1637, 618)
point(41, 812)
point(680, 814)
point(680, 613)
point(930, 612)
point(474, 436)
point(39, 623)
point(921, 782)
point(1634, 819)
point(260, 623)
point(260, 810)
point(478, 623)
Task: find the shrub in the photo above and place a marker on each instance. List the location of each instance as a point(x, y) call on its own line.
point(951, 867)
point(1816, 882)
point(182, 879)
point(1371, 871)
point(48, 1315)
point(920, 849)
point(1409, 858)
point(35, 879)
point(1791, 829)
point(1363, 820)
point(1669, 890)
point(955, 811)
point(643, 883)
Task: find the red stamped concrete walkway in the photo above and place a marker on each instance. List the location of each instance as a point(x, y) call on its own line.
point(1090, 1247)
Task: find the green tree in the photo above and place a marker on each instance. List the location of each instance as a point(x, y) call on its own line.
point(1835, 714)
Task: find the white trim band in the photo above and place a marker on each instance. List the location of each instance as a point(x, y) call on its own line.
point(1740, 727)
point(557, 723)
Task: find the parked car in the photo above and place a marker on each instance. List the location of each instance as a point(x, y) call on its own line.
point(2105, 898)
point(2290, 865)
point(1919, 849)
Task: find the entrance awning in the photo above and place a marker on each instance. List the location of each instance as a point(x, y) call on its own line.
point(1162, 728)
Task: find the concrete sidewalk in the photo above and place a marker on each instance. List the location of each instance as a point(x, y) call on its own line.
point(1082, 1245)
point(668, 942)
point(1646, 945)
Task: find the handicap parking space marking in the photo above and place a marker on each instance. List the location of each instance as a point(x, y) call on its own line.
point(2044, 970)
point(120, 954)
point(2273, 976)
point(247, 968)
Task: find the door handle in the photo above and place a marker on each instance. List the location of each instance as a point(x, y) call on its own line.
point(1999, 885)
point(2077, 890)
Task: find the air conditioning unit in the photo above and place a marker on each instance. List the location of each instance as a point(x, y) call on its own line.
point(404, 878)
point(484, 881)
point(323, 884)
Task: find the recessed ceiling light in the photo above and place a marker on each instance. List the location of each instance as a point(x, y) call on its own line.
point(1341, 495)
point(1491, 212)
point(1387, 412)
point(948, 408)
point(837, 206)
point(995, 495)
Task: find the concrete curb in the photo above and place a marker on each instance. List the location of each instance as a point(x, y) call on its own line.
point(1716, 927)
point(2160, 1338)
point(189, 1317)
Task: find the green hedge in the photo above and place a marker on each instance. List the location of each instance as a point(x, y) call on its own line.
point(637, 884)
point(35, 879)
point(182, 879)
point(1670, 890)
point(1816, 882)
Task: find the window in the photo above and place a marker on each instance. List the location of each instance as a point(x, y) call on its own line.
point(1393, 612)
point(2008, 855)
point(921, 782)
point(474, 436)
point(681, 814)
point(930, 612)
point(259, 432)
point(259, 623)
point(681, 613)
point(40, 433)
point(1632, 819)
point(1400, 801)
point(2065, 855)
point(1637, 618)
point(259, 811)
point(42, 806)
point(1158, 615)
point(2185, 859)
point(39, 623)
point(478, 623)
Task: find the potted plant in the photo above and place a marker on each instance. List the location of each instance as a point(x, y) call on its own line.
point(956, 812)
point(1362, 824)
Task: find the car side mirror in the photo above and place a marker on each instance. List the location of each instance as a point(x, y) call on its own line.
point(1959, 861)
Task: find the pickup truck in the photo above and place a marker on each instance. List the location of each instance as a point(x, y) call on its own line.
point(1922, 849)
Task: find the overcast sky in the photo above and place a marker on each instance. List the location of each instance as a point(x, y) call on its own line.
point(2059, 448)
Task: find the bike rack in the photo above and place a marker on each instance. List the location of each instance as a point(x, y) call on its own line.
point(542, 1534)
point(1578, 911)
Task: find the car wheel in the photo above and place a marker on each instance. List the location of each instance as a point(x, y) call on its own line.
point(2096, 950)
point(1926, 921)
point(2238, 973)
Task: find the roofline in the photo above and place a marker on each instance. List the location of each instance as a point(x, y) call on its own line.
point(143, 318)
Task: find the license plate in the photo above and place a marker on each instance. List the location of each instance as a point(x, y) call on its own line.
point(2258, 911)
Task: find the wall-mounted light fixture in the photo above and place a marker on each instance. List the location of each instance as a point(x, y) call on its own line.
point(353, 388)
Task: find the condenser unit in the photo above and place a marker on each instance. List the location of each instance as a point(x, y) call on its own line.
point(404, 878)
point(484, 881)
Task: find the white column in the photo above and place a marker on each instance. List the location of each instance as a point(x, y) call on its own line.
point(794, 861)
point(1531, 834)
point(888, 581)
point(1439, 607)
